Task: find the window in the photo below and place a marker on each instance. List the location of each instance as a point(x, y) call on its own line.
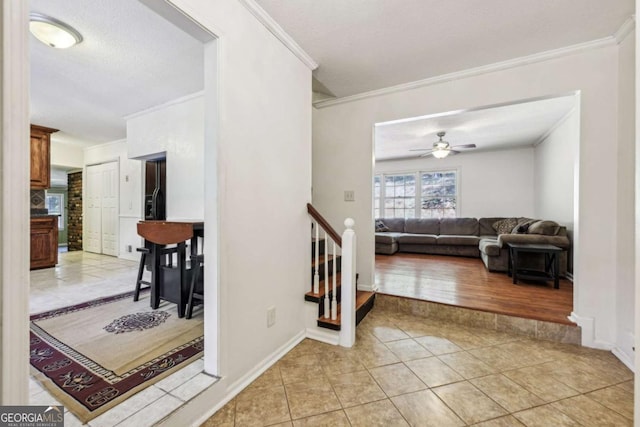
point(432, 194)
point(400, 196)
point(54, 202)
point(377, 193)
point(439, 195)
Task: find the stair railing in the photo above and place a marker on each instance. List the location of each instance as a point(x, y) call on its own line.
point(347, 245)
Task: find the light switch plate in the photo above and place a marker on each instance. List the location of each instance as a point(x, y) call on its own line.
point(349, 196)
point(271, 316)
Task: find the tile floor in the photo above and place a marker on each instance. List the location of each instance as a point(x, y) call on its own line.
point(82, 276)
point(406, 370)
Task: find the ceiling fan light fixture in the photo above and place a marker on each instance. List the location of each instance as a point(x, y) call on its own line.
point(440, 153)
point(52, 32)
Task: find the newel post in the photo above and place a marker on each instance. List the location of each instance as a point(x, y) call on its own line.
point(348, 315)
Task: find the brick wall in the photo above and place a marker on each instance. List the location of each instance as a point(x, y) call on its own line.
point(75, 211)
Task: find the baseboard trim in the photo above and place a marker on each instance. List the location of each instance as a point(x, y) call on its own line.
point(325, 336)
point(622, 356)
point(367, 288)
point(235, 388)
point(589, 332)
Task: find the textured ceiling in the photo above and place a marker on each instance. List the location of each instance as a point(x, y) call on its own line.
point(131, 59)
point(363, 45)
point(509, 126)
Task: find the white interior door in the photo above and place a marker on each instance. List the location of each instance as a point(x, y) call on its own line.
point(93, 210)
point(101, 211)
point(110, 208)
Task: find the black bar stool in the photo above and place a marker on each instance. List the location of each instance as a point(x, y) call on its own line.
point(196, 291)
point(143, 264)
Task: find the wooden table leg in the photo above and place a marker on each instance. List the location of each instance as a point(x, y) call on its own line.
point(154, 299)
point(514, 267)
point(556, 271)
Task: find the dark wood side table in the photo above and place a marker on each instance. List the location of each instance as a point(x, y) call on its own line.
point(551, 262)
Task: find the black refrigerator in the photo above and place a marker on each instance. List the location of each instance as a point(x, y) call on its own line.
point(155, 189)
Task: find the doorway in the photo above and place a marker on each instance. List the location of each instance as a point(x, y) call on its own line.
point(510, 161)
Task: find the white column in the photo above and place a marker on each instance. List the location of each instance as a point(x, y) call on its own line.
point(348, 313)
point(14, 203)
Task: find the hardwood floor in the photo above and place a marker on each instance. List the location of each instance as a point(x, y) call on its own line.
point(465, 282)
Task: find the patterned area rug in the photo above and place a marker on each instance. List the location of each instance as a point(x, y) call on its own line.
point(94, 355)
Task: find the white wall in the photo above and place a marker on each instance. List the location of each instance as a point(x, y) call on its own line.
point(555, 160)
point(176, 128)
point(490, 184)
point(625, 265)
point(343, 135)
point(130, 189)
point(261, 151)
point(66, 155)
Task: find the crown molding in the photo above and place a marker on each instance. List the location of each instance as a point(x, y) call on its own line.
point(275, 29)
point(554, 127)
point(472, 72)
point(158, 107)
point(625, 29)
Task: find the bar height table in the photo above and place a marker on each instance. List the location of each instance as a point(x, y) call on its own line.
point(170, 284)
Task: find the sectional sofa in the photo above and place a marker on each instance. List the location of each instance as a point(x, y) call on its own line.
point(484, 238)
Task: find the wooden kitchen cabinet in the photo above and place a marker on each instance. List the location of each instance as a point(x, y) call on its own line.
point(41, 157)
point(44, 241)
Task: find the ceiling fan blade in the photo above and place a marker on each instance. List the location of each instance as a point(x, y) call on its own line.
point(453, 152)
point(426, 154)
point(464, 146)
point(421, 149)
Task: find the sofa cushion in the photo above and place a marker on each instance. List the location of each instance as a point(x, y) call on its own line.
point(393, 224)
point(387, 238)
point(381, 227)
point(459, 226)
point(444, 239)
point(489, 247)
point(547, 228)
point(417, 239)
point(422, 226)
point(486, 226)
point(505, 226)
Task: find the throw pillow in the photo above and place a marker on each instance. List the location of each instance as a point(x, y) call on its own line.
point(521, 228)
point(505, 226)
point(380, 226)
point(547, 228)
point(523, 225)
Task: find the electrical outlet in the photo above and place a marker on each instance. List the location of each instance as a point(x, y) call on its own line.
point(271, 316)
point(349, 196)
point(129, 248)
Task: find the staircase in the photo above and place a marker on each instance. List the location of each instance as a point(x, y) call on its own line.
point(326, 277)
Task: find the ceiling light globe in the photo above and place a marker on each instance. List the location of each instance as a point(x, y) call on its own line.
point(52, 32)
point(440, 153)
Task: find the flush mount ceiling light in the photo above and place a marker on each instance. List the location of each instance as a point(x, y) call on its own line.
point(52, 32)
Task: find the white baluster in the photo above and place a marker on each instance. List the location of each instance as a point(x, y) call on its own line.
point(326, 275)
point(316, 276)
point(334, 301)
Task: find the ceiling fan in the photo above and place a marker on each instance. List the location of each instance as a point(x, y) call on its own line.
point(442, 149)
